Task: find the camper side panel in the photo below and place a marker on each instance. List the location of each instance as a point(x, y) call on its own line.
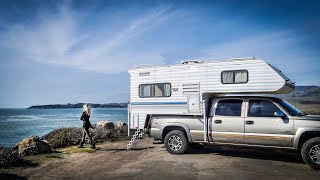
point(261, 78)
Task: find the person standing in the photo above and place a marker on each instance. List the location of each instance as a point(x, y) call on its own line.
point(86, 125)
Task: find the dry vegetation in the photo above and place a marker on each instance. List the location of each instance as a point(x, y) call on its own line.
point(8, 158)
point(305, 98)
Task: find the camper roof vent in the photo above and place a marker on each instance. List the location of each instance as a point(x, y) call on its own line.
point(191, 62)
point(144, 66)
point(243, 58)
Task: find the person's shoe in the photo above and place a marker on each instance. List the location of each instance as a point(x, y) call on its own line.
point(80, 145)
point(93, 146)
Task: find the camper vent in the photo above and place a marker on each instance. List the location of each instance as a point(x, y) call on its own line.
point(243, 58)
point(191, 62)
point(144, 66)
point(191, 88)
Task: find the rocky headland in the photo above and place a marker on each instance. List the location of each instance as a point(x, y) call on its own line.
point(79, 105)
point(60, 138)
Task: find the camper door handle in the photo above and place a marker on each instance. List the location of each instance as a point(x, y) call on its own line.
point(217, 121)
point(250, 122)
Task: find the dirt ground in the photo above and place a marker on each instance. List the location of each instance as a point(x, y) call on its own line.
point(152, 161)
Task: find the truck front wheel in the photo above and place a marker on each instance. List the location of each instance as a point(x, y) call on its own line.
point(176, 142)
point(310, 152)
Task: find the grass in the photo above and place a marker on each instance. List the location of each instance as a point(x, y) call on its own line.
point(55, 155)
point(309, 108)
point(72, 150)
point(120, 138)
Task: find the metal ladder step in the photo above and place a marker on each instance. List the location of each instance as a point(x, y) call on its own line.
point(135, 138)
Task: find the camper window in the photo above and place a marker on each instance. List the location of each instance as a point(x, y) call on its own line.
point(234, 77)
point(155, 90)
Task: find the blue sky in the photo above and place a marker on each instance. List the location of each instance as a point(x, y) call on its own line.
point(79, 51)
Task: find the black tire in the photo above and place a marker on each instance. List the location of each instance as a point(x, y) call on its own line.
point(176, 142)
point(196, 145)
point(309, 148)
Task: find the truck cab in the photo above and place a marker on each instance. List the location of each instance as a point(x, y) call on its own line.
point(253, 121)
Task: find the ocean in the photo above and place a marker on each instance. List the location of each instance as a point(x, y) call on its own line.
point(17, 124)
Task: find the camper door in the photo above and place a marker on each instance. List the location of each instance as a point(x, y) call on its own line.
point(192, 91)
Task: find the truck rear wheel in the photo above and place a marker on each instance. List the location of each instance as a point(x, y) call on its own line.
point(176, 142)
point(310, 152)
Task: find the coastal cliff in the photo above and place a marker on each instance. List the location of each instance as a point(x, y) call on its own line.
point(79, 105)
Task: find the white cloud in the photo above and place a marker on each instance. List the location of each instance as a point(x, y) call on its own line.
point(281, 49)
point(62, 39)
point(59, 39)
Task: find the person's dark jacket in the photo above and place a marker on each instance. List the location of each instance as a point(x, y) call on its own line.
point(85, 118)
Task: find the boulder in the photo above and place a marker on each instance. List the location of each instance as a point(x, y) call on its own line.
point(105, 125)
point(32, 146)
point(121, 127)
point(104, 131)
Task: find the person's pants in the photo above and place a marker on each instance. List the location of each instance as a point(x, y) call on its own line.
point(86, 132)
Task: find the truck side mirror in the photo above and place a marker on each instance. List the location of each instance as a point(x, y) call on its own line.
point(279, 114)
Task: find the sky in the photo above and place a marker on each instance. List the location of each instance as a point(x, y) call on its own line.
point(56, 52)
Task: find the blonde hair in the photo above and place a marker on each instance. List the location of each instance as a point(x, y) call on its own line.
point(87, 109)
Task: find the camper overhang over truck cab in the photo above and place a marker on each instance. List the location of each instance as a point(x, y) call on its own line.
point(184, 88)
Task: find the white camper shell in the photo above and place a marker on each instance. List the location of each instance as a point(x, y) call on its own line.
point(181, 89)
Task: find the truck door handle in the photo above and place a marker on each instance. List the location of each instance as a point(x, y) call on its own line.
point(217, 121)
point(250, 122)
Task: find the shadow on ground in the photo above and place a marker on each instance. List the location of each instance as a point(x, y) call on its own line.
point(26, 163)
point(124, 149)
point(249, 152)
point(6, 176)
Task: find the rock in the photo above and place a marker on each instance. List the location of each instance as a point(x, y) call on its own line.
point(121, 127)
point(105, 125)
point(32, 146)
point(104, 130)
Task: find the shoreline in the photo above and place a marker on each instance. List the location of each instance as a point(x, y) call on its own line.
point(79, 105)
point(18, 124)
point(103, 131)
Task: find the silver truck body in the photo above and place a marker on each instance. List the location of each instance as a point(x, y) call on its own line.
point(280, 132)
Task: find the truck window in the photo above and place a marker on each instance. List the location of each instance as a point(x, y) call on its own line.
point(261, 108)
point(291, 109)
point(155, 90)
point(229, 107)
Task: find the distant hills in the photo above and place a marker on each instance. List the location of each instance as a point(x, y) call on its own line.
point(79, 105)
point(303, 95)
point(305, 98)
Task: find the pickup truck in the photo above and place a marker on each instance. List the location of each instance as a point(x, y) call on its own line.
point(243, 120)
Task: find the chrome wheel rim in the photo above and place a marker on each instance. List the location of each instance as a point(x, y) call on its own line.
point(314, 153)
point(175, 143)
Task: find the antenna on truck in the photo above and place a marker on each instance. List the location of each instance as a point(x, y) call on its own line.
point(294, 96)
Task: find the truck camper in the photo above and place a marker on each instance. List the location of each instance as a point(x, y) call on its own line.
point(182, 89)
point(220, 102)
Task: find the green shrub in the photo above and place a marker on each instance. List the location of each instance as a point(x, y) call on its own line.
point(8, 158)
point(63, 137)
